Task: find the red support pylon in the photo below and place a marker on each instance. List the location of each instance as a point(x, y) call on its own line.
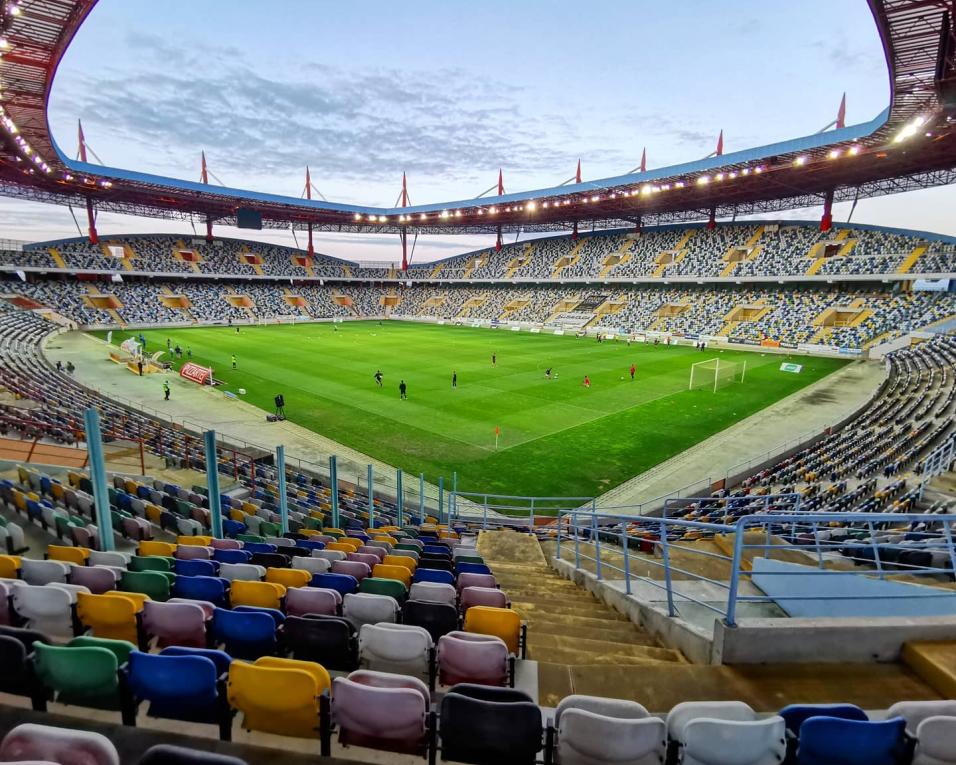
point(841, 113)
point(644, 160)
point(205, 179)
point(308, 195)
point(712, 219)
point(90, 215)
point(720, 144)
point(826, 222)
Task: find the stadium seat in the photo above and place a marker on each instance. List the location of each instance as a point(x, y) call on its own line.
point(484, 725)
point(161, 549)
point(154, 584)
point(230, 555)
point(433, 592)
point(195, 566)
point(914, 712)
point(935, 741)
point(40, 572)
point(500, 622)
point(167, 754)
point(221, 659)
point(341, 583)
point(110, 616)
point(261, 594)
point(16, 671)
point(482, 596)
point(464, 657)
point(46, 608)
point(352, 568)
point(150, 563)
point(367, 558)
point(365, 608)
point(97, 579)
point(38, 744)
point(288, 577)
point(311, 564)
point(462, 567)
point(193, 552)
point(245, 634)
point(77, 555)
point(599, 731)
point(399, 648)
point(475, 580)
point(182, 624)
point(794, 715)
point(247, 572)
point(378, 552)
point(708, 741)
point(300, 601)
point(177, 688)
point(404, 561)
point(330, 555)
point(101, 558)
point(391, 587)
point(383, 711)
point(283, 696)
point(329, 640)
point(399, 573)
point(10, 566)
point(851, 742)
point(84, 672)
point(209, 588)
point(437, 618)
point(439, 576)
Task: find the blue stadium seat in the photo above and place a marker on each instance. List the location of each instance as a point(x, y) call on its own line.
point(221, 659)
point(195, 567)
point(232, 556)
point(210, 588)
point(342, 583)
point(472, 568)
point(851, 742)
point(433, 575)
point(245, 634)
point(277, 616)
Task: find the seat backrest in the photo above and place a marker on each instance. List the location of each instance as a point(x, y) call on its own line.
point(44, 743)
point(262, 594)
point(853, 742)
point(464, 657)
point(220, 659)
point(187, 681)
point(390, 714)
point(47, 608)
point(684, 712)
point(300, 601)
point(97, 579)
point(288, 577)
point(353, 568)
point(84, 671)
point(475, 580)
point(589, 738)
point(167, 754)
point(500, 622)
point(733, 742)
point(175, 623)
point(39, 572)
point(391, 587)
point(433, 592)
point(475, 728)
point(108, 615)
point(341, 583)
point(364, 608)
point(313, 565)
point(209, 588)
point(438, 618)
point(242, 571)
point(276, 699)
point(935, 741)
point(151, 583)
point(914, 712)
point(246, 634)
point(483, 596)
point(400, 648)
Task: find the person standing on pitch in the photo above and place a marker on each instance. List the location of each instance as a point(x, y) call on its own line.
point(234, 361)
point(494, 359)
point(454, 379)
point(165, 390)
point(632, 370)
point(403, 390)
point(378, 378)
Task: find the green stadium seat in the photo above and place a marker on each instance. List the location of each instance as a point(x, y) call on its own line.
point(377, 586)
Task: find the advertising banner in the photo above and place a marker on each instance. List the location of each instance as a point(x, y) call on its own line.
point(196, 373)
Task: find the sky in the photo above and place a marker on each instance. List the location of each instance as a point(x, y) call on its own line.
point(449, 93)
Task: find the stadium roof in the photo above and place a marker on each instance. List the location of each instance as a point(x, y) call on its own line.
point(911, 145)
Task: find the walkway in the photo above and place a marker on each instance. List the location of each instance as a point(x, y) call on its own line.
point(810, 410)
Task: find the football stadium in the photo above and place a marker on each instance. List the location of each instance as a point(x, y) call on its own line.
point(652, 468)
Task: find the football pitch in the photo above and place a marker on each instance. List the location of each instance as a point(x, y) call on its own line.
point(557, 437)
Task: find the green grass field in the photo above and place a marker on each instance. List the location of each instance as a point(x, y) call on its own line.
point(558, 438)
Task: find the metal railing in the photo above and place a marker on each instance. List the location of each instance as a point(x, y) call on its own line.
point(510, 510)
point(879, 546)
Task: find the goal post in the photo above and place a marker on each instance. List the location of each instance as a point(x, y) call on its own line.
point(716, 373)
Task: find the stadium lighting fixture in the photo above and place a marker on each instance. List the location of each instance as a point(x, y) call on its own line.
point(507, 209)
point(703, 180)
point(801, 160)
point(381, 218)
point(719, 177)
point(457, 213)
point(67, 177)
point(732, 175)
point(758, 169)
point(492, 210)
point(4, 43)
point(106, 184)
point(745, 171)
point(481, 211)
point(595, 198)
point(834, 153)
point(645, 189)
point(444, 214)
point(358, 216)
point(679, 185)
point(531, 206)
point(567, 202)
point(546, 204)
point(910, 129)
point(14, 9)
point(423, 217)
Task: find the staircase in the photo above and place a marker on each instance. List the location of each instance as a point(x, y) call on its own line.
point(437, 269)
point(567, 626)
point(57, 257)
point(566, 261)
point(910, 260)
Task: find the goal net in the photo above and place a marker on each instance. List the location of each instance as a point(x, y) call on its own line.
point(716, 373)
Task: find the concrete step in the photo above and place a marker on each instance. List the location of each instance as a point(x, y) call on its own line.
point(575, 596)
point(586, 647)
point(532, 607)
point(599, 629)
point(572, 658)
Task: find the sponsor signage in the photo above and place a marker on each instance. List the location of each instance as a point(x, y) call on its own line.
point(196, 373)
point(792, 368)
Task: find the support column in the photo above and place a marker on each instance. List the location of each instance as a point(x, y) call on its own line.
point(334, 487)
point(101, 497)
point(371, 499)
point(826, 222)
point(212, 484)
point(399, 499)
point(421, 498)
point(712, 219)
point(441, 498)
point(91, 218)
point(283, 498)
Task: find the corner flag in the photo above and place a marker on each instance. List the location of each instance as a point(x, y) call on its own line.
point(497, 434)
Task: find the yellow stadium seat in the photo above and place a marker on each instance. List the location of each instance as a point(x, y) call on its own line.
point(138, 598)
point(68, 554)
point(74, 478)
point(288, 577)
point(237, 515)
point(198, 541)
point(385, 538)
point(56, 489)
point(333, 531)
point(278, 695)
point(340, 546)
point(309, 532)
point(9, 566)
point(400, 560)
point(109, 616)
point(130, 485)
point(402, 574)
point(262, 594)
point(352, 542)
point(153, 513)
point(164, 549)
point(19, 500)
point(500, 622)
